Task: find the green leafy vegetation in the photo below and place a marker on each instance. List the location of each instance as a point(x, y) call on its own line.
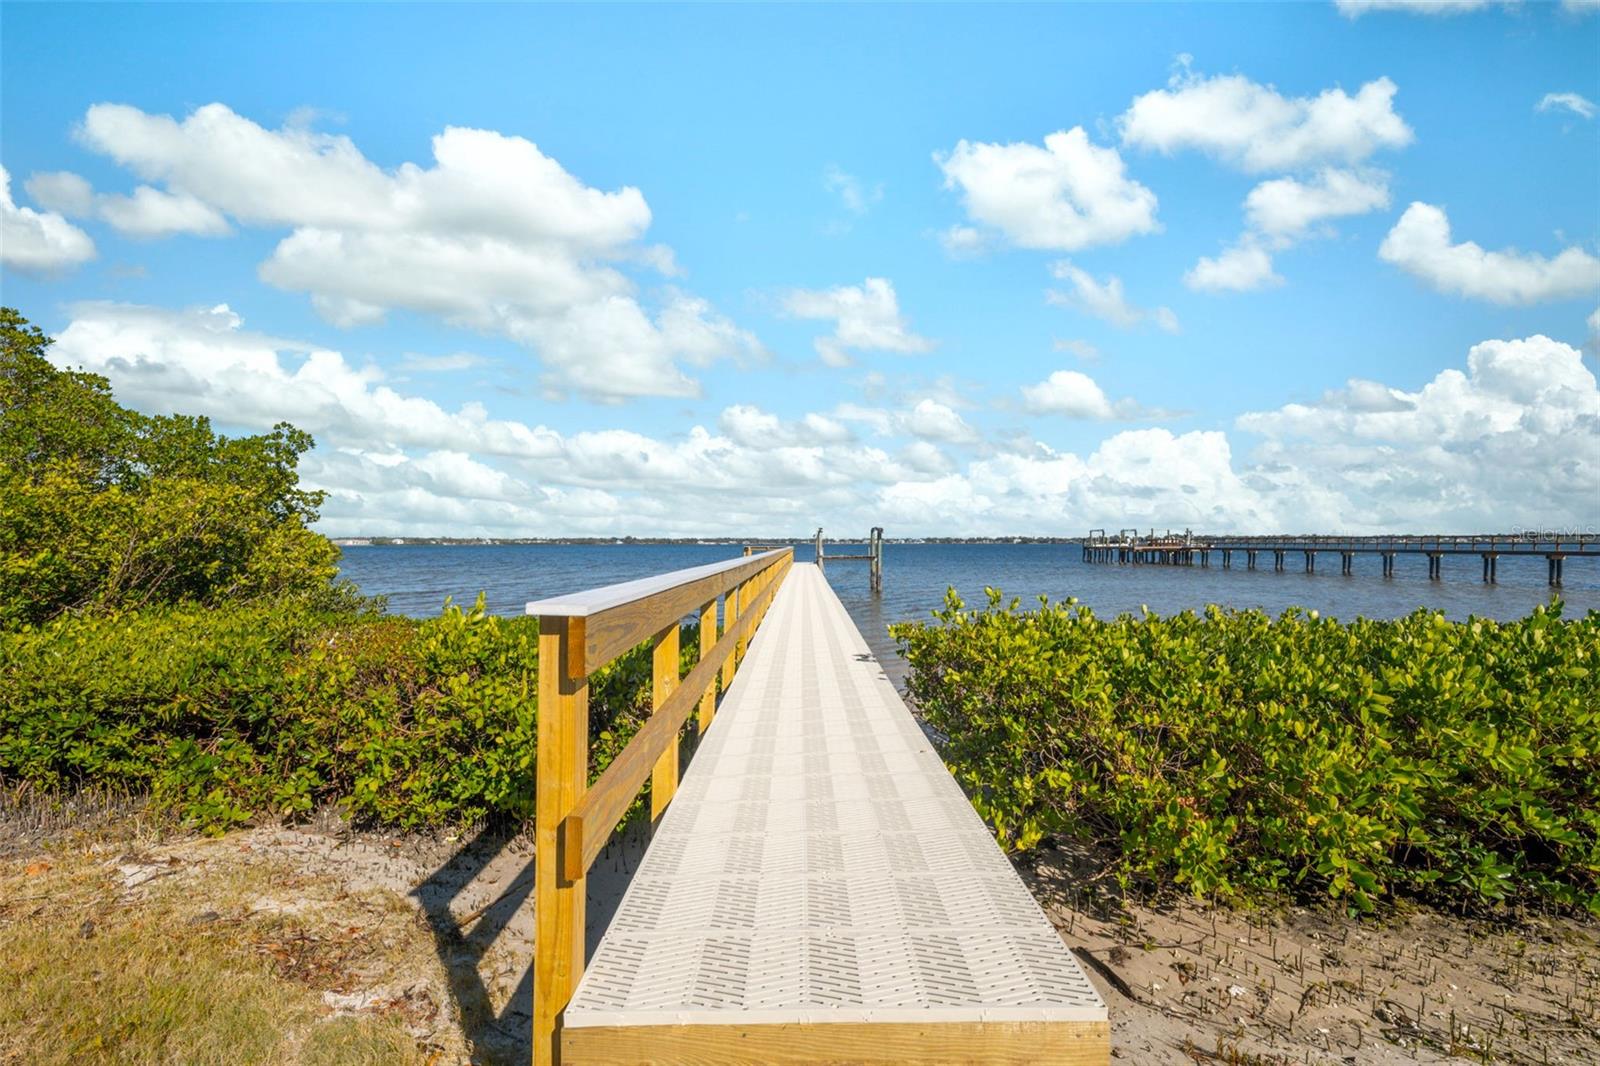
point(171, 625)
point(104, 508)
point(225, 714)
point(1239, 755)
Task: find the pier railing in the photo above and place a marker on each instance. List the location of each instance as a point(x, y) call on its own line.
point(579, 634)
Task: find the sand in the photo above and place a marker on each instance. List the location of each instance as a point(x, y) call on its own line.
point(1184, 982)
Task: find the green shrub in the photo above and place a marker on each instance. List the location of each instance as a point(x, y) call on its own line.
point(1237, 754)
point(229, 713)
point(170, 624)
point(105, 508)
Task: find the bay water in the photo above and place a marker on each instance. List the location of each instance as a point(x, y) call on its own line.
point(417, 578)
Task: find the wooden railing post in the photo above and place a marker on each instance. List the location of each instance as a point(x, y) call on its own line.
point(746, 594)
point(708, 641)
point(730, 615)
point(562, 770)
point(664, 665)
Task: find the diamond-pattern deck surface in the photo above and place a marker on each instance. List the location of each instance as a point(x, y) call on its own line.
point(820, 864)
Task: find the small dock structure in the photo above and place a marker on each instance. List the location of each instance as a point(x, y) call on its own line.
point(873, 557)
point(817, 887)
point(1129, 547)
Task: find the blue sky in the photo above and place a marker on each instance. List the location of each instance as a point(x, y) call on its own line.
point(546, 270)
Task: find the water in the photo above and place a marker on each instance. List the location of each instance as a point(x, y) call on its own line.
point(417, 578)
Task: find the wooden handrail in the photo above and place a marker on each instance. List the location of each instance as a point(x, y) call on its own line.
point(618, 618)
point(584, 831)
point(579, 634)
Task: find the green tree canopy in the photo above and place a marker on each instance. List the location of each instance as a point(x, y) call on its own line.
point(105, 507)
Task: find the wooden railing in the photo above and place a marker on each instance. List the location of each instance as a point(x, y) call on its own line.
point(578, 635)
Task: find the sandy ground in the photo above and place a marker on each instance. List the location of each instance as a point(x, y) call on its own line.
point(1184, 983)
point(1191, 983)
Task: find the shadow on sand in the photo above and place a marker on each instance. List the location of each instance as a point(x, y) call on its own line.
point(488, 950)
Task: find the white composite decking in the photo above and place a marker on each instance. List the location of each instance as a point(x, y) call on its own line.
point(820, 865)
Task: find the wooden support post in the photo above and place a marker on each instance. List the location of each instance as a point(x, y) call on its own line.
point(562, 770)
point(664, 666)
point(730, 615)
point(708, 641)
point(747, 594)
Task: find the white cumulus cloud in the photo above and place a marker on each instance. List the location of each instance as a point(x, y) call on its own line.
point(1518, 434)
point(494, 235)
point(866, 318)
point(1239, 268)
point(1280, 212)
point(1067, 195)
point(931, 420)
point(38, 242)
point(1420, 244)
point(1288, 208)
point(752, 427)
point(1074, 394)
point(61, 190)
point(398, 462)
point(1323, 141)
point(147, 212)
point(1256, 128)
point(1067, 392)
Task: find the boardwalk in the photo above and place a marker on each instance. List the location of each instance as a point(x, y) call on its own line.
point(821, 890)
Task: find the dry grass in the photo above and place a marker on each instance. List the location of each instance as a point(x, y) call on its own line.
point(208, 954)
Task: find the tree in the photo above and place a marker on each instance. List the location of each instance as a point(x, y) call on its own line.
point(102, 507)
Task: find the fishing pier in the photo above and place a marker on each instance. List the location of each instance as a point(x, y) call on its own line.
point(1129, 547)
point(817, 887)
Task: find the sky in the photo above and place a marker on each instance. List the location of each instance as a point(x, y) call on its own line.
point(733, 270)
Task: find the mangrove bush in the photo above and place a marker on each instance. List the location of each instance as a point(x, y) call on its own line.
point(1237, 754)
